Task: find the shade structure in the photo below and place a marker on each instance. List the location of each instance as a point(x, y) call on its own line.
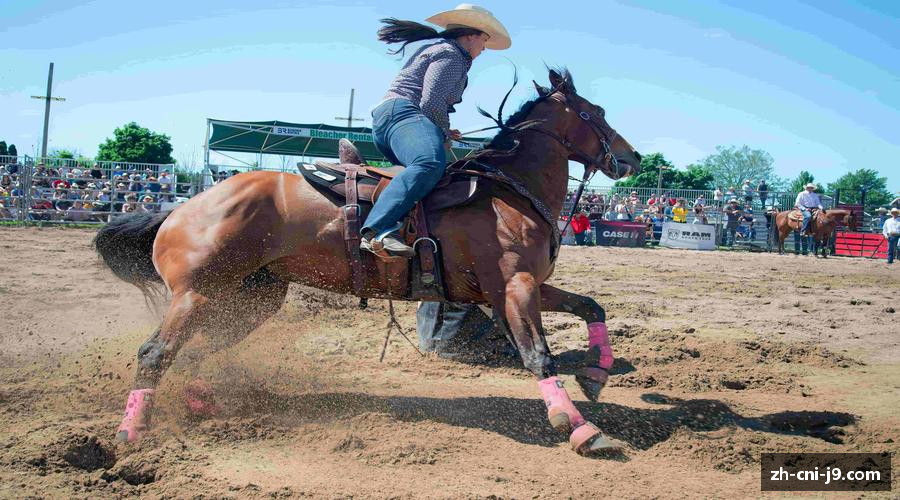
point(303, 139)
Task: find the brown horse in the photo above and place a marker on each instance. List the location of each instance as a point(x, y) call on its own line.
point(820, 229)
point(227, 255)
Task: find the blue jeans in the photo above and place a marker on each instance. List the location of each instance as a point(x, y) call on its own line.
point(406, 137)
point(438, 323)
point(807, 214)
point(892, 248)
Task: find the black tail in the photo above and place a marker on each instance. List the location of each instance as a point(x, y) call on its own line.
point(126, 247)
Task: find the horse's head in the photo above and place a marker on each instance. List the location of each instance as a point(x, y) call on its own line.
point(584, 131)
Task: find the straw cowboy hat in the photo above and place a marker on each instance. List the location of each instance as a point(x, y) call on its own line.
point(473, 16)
point(895, 210)
point(810, 185)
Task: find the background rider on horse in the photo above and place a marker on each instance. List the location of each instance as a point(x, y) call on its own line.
point(807, 201)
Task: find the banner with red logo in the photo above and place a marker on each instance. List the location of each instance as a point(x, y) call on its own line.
point(619, 234)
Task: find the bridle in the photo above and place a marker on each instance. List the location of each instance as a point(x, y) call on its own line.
point(591, 163)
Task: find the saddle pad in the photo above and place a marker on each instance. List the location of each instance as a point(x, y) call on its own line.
point(452, 190)
point(795, 215)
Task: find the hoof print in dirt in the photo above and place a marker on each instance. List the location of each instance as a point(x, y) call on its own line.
point(134, 470)
point(89, 453)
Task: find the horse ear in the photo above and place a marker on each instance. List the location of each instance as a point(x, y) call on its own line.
point(560, 82)
point(542, 91)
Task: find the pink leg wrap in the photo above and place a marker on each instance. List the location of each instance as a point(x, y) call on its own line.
point(598, 336)
point(558, 402)
point(137, 415)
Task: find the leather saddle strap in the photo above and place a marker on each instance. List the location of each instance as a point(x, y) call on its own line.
point(351, 230)
point(425, 247)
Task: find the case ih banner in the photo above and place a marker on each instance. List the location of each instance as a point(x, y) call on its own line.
point(691, 236)
point(619, 234)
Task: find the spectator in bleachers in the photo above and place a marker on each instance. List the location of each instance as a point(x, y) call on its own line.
point(668, 212)
point(700, 201)
point(610, 213)
point(733, 217)
point(730, 195)
point(135, 185)
point(719, 197)
point(5, 213)
point(679, 211)
point(622, 213)
point(148, 204)
point(763, 190)
point(748, 220)
point(61, 198)
point(96, 172)
point(77, 213)
point(6, 182)
point(131, 204)
point(153, 185)
point(699, 215)
point(747, 191)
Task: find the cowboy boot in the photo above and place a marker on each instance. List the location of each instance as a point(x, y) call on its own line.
point(347, 153)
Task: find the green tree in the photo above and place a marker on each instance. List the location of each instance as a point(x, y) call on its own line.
point(852, 185)
point(62, 153)
point(3, 150)
point(731, 165)
point(12, 150)
point(134, 143)
point(799, 184)
point(694, 177)
point(649, 175)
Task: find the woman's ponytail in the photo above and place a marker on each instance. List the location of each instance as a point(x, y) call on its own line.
point(407, 32)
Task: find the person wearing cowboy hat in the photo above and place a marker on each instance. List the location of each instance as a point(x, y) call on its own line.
point(411, 125)
point(891, 232)
point(733, 215)
point(807, 200)
point(882, 216)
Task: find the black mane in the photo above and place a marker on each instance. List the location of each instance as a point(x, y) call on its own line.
point(503, 140)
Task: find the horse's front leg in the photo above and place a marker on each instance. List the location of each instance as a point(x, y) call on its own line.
point(521, 307)
point(599, 357)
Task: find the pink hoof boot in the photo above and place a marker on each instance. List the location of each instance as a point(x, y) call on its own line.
point(588, 439)
point(200, 399)
point(562, 413)
point(593, 378)
point(137, 415)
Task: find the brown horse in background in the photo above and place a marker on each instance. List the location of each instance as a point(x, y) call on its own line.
point(821, 227)
point(228, 254)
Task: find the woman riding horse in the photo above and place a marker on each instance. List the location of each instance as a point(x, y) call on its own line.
point(411, 125)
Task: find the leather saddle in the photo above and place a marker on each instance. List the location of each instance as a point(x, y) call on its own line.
point(796, 215)
point(358, 187)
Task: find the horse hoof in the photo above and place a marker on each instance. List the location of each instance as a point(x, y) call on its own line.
point(587, 439)
point(559, 420)
point(592, 380)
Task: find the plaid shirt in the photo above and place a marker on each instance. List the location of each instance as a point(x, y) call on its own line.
point(434, 78)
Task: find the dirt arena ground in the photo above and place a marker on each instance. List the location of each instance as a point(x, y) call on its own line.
point(722, 356)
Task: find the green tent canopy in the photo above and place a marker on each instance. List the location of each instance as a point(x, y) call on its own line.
point(303, 139)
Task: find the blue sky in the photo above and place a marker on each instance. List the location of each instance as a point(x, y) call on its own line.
point(816, 84)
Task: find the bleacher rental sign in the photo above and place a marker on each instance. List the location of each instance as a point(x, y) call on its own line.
point(321, 134)
point(690, 236)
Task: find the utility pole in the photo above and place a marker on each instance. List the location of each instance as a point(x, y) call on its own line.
point(349, 116)
point(49, 97)
point(659, 179)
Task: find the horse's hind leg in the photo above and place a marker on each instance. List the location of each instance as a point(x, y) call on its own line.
point(520, 306)
point(258, 299)
point(188, 311)
point(599, 357)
